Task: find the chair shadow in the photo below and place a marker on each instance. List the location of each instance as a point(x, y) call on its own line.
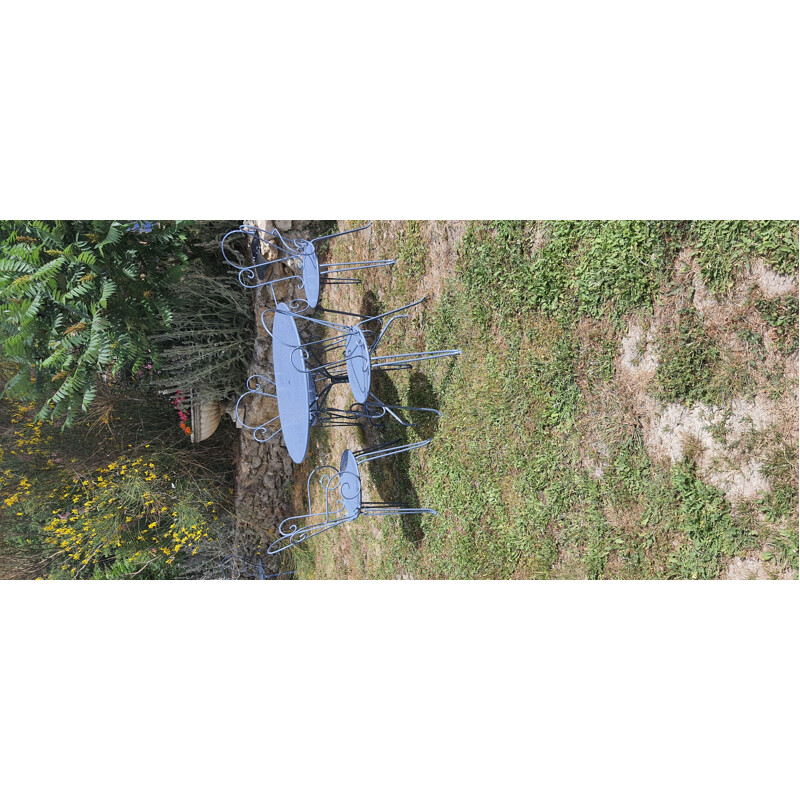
point(371, 306)
point(421, 394)
point(390, 475)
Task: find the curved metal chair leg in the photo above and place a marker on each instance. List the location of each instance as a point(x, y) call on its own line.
point(391, 510)
point(342, 233)
point(390, 449)
point(376, 409)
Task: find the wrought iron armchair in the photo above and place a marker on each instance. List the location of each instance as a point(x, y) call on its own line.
point(355, 360)
point(319, 415)
point(343, 499)
point(297, 255)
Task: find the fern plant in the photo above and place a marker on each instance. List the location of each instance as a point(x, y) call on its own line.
point(80, 299)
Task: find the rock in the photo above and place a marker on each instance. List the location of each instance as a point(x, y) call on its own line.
point(283, 225)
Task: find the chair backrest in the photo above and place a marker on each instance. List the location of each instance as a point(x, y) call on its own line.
point(252, 270)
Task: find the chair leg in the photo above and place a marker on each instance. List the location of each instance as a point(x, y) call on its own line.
point(397, 310)
point(388, 361)
point(356, 265)
point(376, 448)
point(391, 449)
point(391, 510)
point(341, 233)
point(375, 409)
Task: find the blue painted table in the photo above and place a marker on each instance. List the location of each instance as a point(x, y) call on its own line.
point(294, 388)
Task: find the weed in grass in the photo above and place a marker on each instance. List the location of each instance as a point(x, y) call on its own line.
point(413, 253)
point(719, 430)
point(751, 339)
point(783, 543)
point(688, 357)
point(780, 468)
point(710, 531)
point(693, 448)
point(724, 247)
point(781, 313)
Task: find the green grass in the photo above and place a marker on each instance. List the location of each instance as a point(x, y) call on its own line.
point(533, 474)
point(570, 268)
point(781, 314)
point(412, 254)
point(708, 528)
point(724, 247)
point(689, 361)
point(780, 468)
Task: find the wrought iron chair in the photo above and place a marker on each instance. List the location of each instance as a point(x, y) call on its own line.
point(355, 360)
point(343, 498)
point(297, 255)
point(320, 415)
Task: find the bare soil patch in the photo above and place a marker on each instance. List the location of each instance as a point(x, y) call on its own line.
point(718, 437)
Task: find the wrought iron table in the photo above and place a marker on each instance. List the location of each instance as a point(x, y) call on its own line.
point(304, 378)
point(295, 390)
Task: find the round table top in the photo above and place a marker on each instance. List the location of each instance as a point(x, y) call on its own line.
point(359, 366)
point(295, 389)
point(310, 270)
point(350, 483)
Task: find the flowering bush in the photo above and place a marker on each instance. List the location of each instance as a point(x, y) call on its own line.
point(128, 503)
point(98, 512)
point(178, 402)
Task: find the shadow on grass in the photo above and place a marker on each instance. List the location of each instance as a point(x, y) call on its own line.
point(390, 475)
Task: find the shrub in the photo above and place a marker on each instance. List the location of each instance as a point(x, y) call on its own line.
point(79, 298)
point(89, 503)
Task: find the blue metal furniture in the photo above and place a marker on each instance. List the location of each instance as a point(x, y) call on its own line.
point(343, 498)
point(297, 255)
point(354, 357)
point(294, 390)
point(301, 394)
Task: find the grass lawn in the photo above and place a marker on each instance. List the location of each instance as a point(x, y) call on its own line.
point(625, 405)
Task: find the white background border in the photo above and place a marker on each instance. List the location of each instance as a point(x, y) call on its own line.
point(429, 111)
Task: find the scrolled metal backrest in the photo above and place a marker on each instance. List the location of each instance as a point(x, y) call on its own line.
point(254, 387)
point(337, 488)
point(289, 250)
